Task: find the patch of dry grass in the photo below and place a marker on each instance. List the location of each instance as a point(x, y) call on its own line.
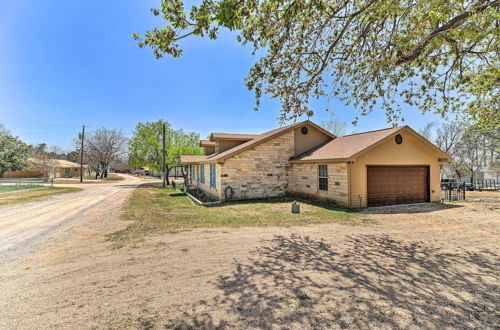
point(34, 195)
point(164, 210)
point(90, 180)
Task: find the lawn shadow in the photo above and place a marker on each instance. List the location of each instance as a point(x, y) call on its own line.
point(410, 208)
point(156, 185)
point(128, 186)
point(367, 281)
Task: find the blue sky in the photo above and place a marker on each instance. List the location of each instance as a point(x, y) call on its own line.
point(67, 63)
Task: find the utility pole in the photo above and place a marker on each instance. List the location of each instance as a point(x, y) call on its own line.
point(81, 154)
point(163, 153)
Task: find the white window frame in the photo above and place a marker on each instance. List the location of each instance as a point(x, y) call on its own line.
point(323, 177)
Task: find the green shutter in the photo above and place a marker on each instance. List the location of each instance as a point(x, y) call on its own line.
point(215, 176)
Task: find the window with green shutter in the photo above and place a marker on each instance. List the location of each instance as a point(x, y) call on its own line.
point(210, 176)
point(202, 174)
point(215, 177)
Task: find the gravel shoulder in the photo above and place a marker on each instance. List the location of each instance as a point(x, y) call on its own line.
point(424, 266)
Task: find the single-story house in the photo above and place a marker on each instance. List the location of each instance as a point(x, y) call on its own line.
point(56, 168)
point(382, 167)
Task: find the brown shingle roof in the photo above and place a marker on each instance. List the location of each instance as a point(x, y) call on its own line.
point(191, 159)
point(59, 163)
point(231, 136)
point(346, 146)
point(207, 143)
point(263, 138)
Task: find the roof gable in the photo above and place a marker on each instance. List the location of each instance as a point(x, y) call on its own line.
point(263, 138)
point(349, 146)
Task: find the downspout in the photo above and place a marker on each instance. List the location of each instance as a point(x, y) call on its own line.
point(349, 203)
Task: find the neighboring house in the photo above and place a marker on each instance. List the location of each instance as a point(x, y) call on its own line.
point(56, 168)
point(488, 173)
point(383, 167)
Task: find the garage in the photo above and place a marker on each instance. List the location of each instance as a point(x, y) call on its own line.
point(390, 185)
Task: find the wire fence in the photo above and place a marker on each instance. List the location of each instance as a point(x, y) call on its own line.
point(486, 184)
point(18, 184)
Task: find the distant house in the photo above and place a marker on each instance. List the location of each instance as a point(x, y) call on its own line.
point(48, 168)
point(383, 167)
point(56, 168)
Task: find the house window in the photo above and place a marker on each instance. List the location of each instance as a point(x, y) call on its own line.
point(213, 176)
point(202, 173)
point(215, 181)
point(323, 177)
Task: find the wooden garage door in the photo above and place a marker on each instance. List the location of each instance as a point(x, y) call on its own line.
point(389, 185)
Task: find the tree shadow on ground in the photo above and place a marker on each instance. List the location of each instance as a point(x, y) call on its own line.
point(365, 281)
point(410, 208)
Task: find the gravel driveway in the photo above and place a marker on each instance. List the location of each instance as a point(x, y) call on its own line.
point(426, 266)
point(28, 227)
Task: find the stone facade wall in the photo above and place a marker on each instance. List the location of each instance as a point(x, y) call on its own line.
point(304, 181)
point(261, 171)
point(216, 192)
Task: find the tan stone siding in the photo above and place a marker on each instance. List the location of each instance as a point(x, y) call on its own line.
point(304, 181)
point(261, 171)
point(216, 192)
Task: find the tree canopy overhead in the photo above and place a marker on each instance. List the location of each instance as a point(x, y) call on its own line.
point(436, 55)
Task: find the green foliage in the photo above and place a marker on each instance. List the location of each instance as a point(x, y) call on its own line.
point(14, 153)
point(146, 145)
point(436, 55)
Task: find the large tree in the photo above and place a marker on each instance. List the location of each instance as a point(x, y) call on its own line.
point(146, 146)
point(14, 153)
point(104, 146)
point(334, 125)
point(472, 148)
point(437, 55)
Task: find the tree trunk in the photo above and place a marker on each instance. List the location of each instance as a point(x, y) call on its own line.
point(184, 175)
point(106, 173)
point(96, 174)
point(167, 171)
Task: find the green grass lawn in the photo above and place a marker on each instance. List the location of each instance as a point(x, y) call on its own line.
point(10, 188)
point(164, 210)
point(34, 195)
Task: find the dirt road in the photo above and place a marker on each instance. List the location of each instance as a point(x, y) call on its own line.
point(26, 228)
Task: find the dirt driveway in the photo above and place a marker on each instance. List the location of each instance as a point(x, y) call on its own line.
point(425, 266)
point(26, 228)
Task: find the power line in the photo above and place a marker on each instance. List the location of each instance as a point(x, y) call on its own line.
point(38, 124)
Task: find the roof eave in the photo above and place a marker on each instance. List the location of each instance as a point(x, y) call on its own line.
point(290, 128)
point(324, 160)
